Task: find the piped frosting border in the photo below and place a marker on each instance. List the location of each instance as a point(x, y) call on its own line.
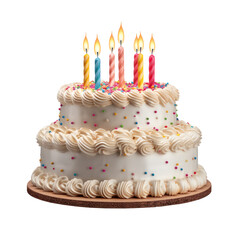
point(112, 188)
point(180, 137)
point(75, 94)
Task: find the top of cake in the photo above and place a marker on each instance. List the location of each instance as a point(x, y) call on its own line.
point(159, 93)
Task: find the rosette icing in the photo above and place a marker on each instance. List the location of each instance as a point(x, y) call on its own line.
point(74, 187)
point(126, 145)
point(179, 137)
point(101, 99)
point(172, 188)
point(125, 189)
point(87, 145)
point(144, 147)
point(142, 189)
point(111, 188)
point(90, 188)
point(77, 96)
point(87, 99)
point(107, 188)
point(106, 146)
point(119, 99)
point(49, 182)
point(158, 188)
point(150, 97)
point(59, 185)
point(72, 94)
point(183, 185)
point(135, 98)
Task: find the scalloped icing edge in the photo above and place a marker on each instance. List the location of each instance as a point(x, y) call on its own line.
point(112, 188)
point(89, 98)
point(180, 137)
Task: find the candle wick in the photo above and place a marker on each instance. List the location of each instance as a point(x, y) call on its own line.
point(140, 49)
point(97, 54)
point(112, 49)
point(136, 50)
point(152, 51)
point(86, 50)
point(120, 42)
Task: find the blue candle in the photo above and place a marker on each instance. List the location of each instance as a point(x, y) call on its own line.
point(97, 73)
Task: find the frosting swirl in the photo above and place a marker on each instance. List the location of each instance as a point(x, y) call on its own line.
point(125, 189)
point(142, 189)
point(107, 188)
point(59, 185)
point(90, 188)
point(74, 187)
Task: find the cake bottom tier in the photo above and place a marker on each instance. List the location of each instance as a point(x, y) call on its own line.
point(156, 166)
point(113, 188)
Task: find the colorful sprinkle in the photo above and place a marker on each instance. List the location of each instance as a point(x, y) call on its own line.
point(61, 170)
point(104, 170)
point(125, 117)
point(145, 173)
point(115, 114)
point(152, 174)
point(155, 111)
point(123, 170)
point(90, 168)
point(72, 122)
point(166, 162)
point(75, 174)
point(106, 164)
point(52, 163)
point(72, 157)
point(93, 115)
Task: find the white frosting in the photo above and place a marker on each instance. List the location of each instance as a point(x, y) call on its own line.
point(156, 166)
point(111, 117)
point(124, 189)
point(180, 137)
point(71, 94)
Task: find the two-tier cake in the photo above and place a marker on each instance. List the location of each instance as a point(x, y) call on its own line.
point(119, 142)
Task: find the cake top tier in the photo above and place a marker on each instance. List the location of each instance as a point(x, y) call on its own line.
point(159, 93)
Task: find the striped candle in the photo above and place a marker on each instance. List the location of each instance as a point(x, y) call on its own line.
point(140, 71)
point(111, 69)
point(135, 71)
point(86, 70)
point(97, 73)
point(121, 66)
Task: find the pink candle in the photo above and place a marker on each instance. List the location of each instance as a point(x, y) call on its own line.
point(121, 66)
point(135, 72)
point(151, 62)
point(111, 69)
point(121, 57)
point(151, 70)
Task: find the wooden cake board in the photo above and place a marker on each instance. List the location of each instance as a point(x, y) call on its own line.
point(118, 202)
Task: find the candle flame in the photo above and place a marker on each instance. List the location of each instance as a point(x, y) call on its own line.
point(152, 44)
point(120, 34)
point(85, 44)
point(97, 46)
point(111, 42)
point(140, 42)
point(135, 45)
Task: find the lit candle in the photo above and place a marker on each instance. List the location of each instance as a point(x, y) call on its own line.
point(111, 61)
point(151, 63)
point(121, 57)
point(135, 64)
point(97, 50)
point(140, 62)
point(86, 63)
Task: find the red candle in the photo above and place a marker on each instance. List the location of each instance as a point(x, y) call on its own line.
point(121, 57)
point(111, 62)
point(151, 70)
point(135, 64)
point(151, 63)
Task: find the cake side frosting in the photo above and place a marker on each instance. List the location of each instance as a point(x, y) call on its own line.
point(120, 97)
point(180, 137)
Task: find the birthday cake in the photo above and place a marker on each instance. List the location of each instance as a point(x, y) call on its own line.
point(119, 142)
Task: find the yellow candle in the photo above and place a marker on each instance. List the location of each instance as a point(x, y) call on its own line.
point(140, 63)
point(86, 63)
point(86, 70)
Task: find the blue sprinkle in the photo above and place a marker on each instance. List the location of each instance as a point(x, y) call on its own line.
point(195, 158)
point(75, 174)
point(153, 174)
point(175, 104)
point(136, 122)
point(50, 131)
point(181, 169)
point(42, 165)
point(191, 126)
point(145, 172)
point(177, 119)
point(63, 116)
point(60, 123)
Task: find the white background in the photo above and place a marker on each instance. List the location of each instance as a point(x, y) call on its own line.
point(197, 50)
